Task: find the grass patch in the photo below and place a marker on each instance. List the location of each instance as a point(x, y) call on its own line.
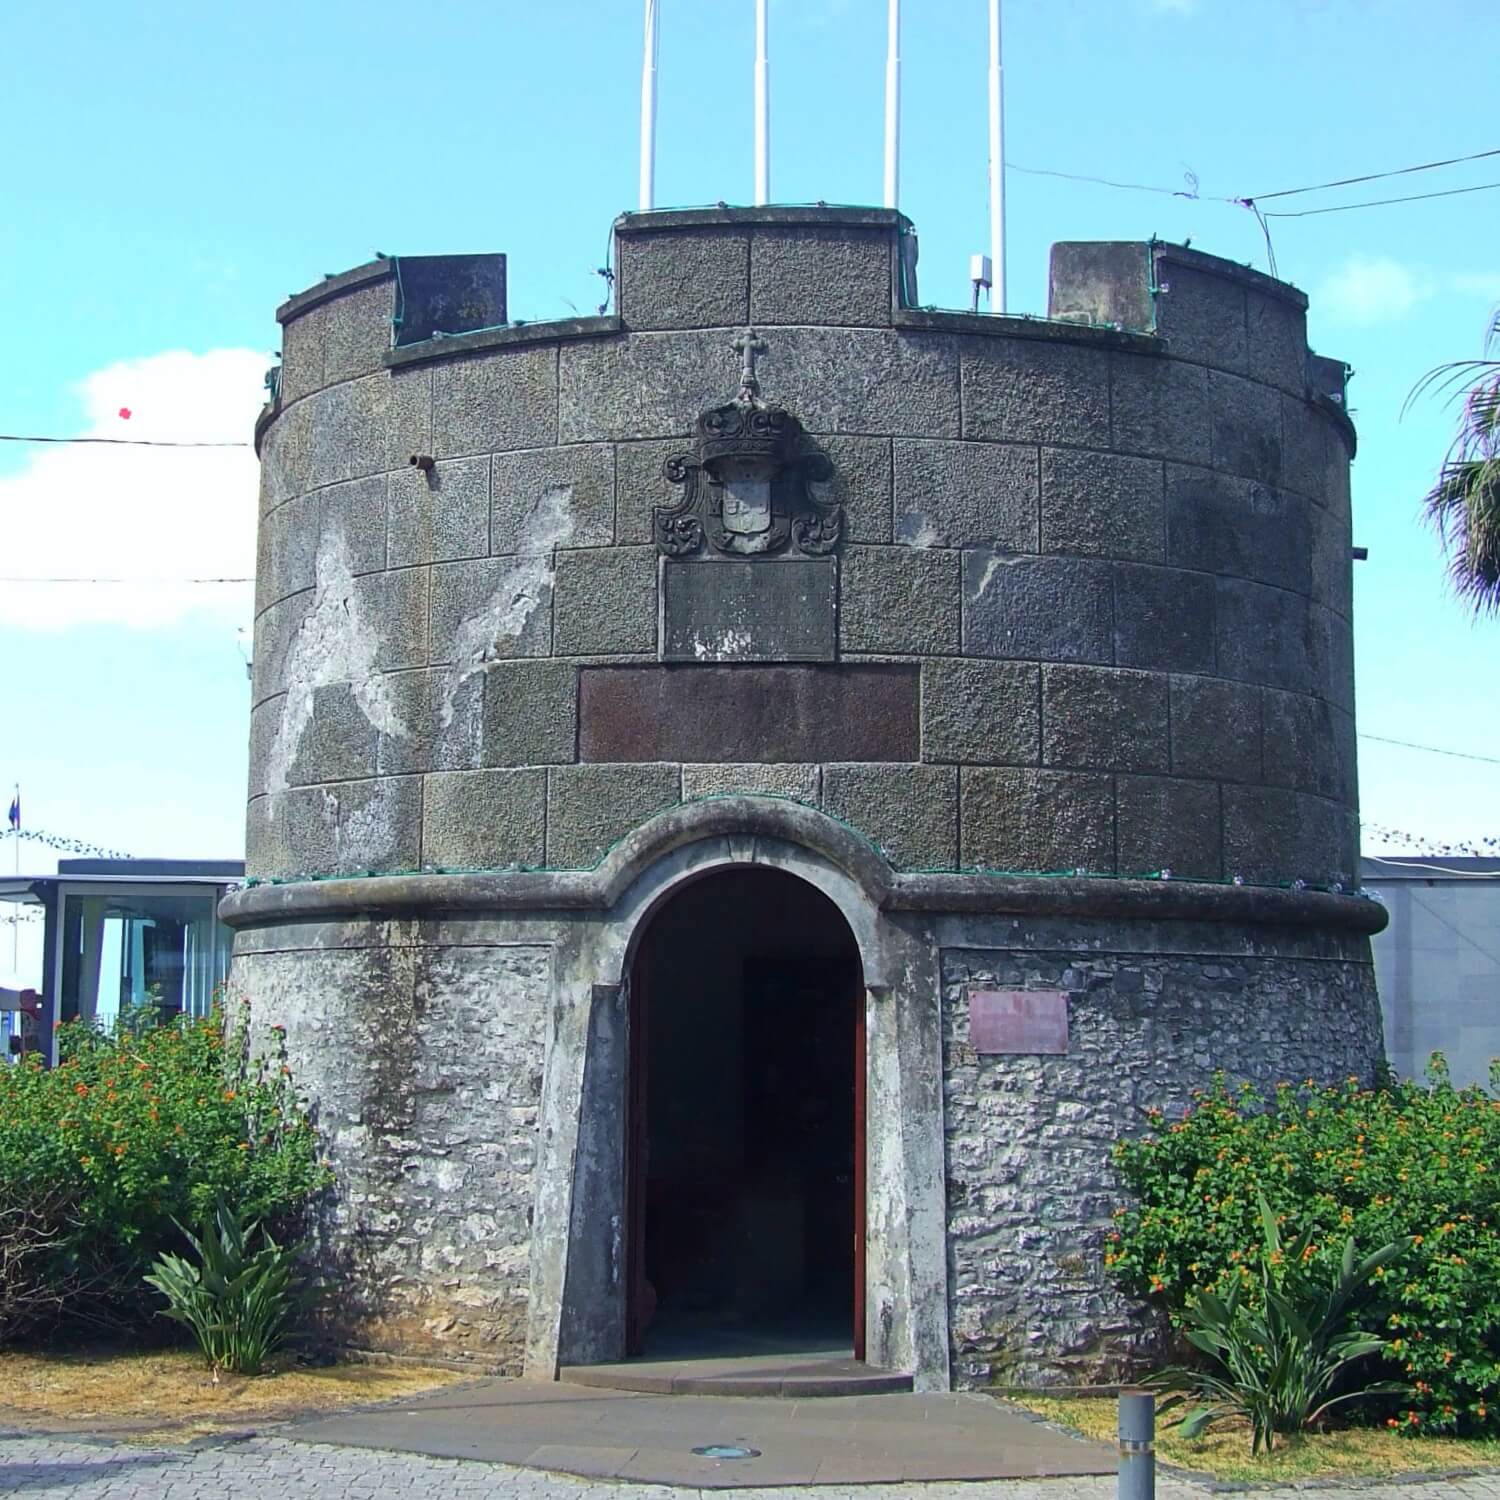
point(1354, 1452)
point(171, 1393)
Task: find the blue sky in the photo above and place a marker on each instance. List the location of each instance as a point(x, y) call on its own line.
point(175, 170)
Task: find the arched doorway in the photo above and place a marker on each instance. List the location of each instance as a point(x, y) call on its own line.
point(745, 1129)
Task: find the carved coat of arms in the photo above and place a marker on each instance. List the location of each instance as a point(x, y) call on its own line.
point(746, 483)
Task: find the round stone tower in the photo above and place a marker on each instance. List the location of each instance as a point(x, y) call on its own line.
point(752, 794)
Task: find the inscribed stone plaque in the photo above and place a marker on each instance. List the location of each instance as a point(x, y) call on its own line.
point(1033, 1021)
point(763, 610)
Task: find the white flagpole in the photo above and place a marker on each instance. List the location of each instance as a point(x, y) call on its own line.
point(997, 165)
point(893, 104)
point(762, 107)
point(648, 112)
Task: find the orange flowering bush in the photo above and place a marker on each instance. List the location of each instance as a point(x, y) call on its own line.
point(140, 1127)
point(1404, 1160)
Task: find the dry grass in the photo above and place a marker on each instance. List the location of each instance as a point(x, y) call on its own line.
point(1356, 1452)
point(171, 1393)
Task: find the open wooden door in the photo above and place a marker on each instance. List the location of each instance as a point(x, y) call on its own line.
point(638, 1297)
point(859, 1174)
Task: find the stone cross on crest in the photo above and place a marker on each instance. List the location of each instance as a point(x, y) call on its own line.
point(748, 344)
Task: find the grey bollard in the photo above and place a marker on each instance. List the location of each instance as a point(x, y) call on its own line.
point(1137, 1445)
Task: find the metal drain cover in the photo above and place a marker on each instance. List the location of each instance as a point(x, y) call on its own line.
point(726, 1450)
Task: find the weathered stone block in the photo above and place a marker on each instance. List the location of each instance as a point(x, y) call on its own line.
point(357, 330)
point(1160, 407)
point(530, 714)
point(393, 608)
point(1102, 718)
point(302, 355)
point(1201, 316)
point(1332, 561)
point(1165, 823)
point(286, 456)
point(1274, 834)
point(1246, 428)
point(911, 812)
point(265, 724)
point(1264, 635)
point(640, 485)
point(568, 493)
point(1053, 608)
point(443, 516)
point(966, 495)
point(353, 517)
point(1276, 342)
point(500, 400)
point(981, 712)
point(1026, 391)
point(723, 610)
point(492, 608)
point(739, 714)
point(1102, 505)
point(1164, 618)
point(1216, 728)
point(345, 829)
point(821, 275)
point(1221, 523)
point(290, 536)
point(606, 601)
point(1023, 819)
point(367, 426)
point(1304, 744)
point(433, 721)
point(899, 599)
point(275, 633)
point(649, 385)
point(484, 820)
point(864, 380)
point(800, 783)
point(861, 483)
point(690, 278)
point(1331, 655)
point(590, 807)
point(1315, 462)
point(338, 742)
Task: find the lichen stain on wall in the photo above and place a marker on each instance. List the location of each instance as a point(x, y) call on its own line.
point(334, 644)
point(524, 588)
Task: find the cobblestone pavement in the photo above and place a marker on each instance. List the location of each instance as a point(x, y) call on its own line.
point(275, 1469)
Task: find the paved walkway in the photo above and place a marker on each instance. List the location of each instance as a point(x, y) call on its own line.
point(280, 1469)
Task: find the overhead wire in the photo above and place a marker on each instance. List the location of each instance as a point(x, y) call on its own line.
point(1426, 166)
point(1343, 208)
point(22, 578)
point(17, 437)
point(1493, 760)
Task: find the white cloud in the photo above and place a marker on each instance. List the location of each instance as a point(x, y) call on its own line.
point(152, 516)
point(1485, 284)
point(1370, 289)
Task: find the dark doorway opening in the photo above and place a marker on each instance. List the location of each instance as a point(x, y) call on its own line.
point(746, 1128)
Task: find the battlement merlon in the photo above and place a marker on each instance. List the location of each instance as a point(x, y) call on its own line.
point(811, 266)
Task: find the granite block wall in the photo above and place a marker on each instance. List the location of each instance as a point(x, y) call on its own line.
point(1119, 561)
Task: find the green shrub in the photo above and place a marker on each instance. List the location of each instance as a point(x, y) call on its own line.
point(1286, 1348)
point(141, 1128)
point(1377, 1165)
point(238, 1301)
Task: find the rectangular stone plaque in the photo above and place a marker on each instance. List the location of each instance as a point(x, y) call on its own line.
point(766, 609)
point(853, 711)
point(1004, 1021)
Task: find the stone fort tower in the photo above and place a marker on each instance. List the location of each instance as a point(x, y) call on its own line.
point(752, 794)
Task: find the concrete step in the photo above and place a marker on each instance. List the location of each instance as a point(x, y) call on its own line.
point(793, 1376)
